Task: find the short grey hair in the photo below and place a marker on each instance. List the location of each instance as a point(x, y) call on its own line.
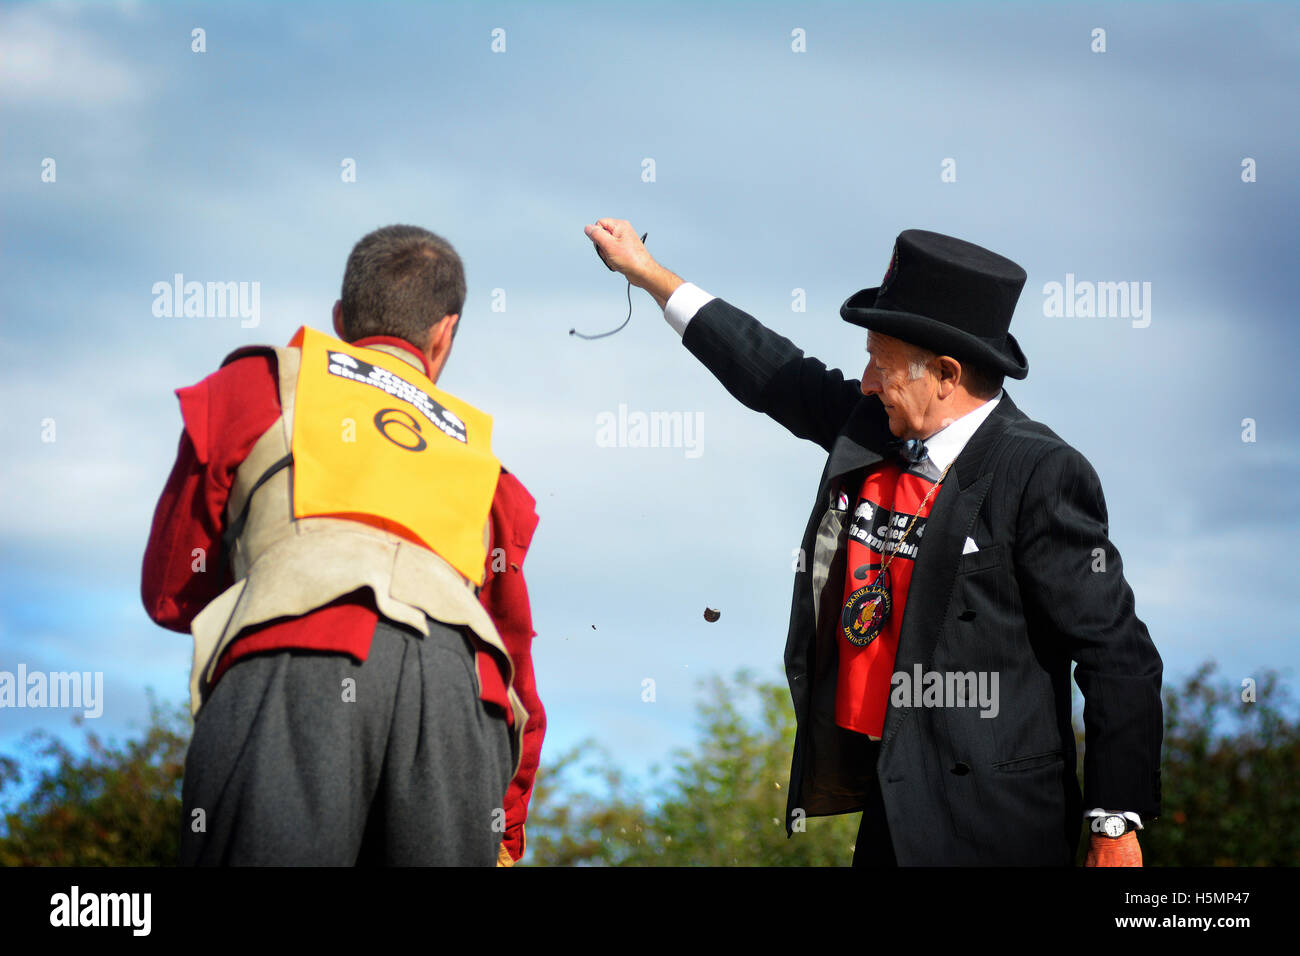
point(980, 381)
point(918, 357)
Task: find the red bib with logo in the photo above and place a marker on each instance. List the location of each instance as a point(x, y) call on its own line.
point(887, 503)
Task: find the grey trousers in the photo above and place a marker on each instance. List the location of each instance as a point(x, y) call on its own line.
point(309, 758)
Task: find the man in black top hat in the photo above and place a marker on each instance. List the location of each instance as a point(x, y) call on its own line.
point(956, 562)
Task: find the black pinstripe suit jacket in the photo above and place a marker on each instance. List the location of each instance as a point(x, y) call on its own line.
point(1046, 588)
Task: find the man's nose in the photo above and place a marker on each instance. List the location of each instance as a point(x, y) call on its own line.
point(869, 384)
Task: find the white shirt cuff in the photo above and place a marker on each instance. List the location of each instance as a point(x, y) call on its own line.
point(686, 300)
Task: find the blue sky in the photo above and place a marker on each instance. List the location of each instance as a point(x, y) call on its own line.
point(774, 170)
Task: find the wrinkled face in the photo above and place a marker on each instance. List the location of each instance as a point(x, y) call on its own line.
point(888, 376)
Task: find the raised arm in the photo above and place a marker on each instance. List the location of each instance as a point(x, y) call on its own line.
point(763, 370)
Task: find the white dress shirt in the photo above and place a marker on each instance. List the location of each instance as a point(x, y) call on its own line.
point(946, 444)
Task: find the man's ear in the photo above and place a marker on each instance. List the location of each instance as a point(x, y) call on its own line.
point(338, 319)
point(439, 348)
point(445, 331)
point(949, 371)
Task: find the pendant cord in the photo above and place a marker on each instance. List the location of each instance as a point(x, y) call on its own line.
point(602, 335)
point(894, 550)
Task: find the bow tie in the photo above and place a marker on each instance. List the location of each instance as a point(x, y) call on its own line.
point(909, 449)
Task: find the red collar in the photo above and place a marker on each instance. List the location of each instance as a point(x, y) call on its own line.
point(400, 343)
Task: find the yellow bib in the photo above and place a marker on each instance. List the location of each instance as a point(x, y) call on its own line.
point(375, 441)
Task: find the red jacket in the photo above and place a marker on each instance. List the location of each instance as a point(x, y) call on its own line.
point(183, 571)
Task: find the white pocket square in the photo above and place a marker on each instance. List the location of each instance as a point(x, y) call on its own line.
point(969, 546)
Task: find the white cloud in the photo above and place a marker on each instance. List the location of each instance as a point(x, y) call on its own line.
point(47, 58)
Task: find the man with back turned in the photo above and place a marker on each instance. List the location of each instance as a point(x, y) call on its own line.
point(346, 549)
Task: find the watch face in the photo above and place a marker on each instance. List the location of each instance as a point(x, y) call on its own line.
point(1114, 826)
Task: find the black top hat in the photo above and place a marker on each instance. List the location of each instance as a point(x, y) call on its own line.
point(947, 295)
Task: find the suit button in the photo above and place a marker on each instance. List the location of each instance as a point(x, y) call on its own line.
point(960, 769)
point(966, 615)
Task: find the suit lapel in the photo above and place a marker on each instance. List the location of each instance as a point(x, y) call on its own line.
point(862, 442)
point(971, 463)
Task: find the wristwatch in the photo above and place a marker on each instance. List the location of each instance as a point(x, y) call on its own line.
point(1113, 825)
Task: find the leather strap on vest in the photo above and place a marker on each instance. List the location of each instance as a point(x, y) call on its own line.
point(232, 533)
